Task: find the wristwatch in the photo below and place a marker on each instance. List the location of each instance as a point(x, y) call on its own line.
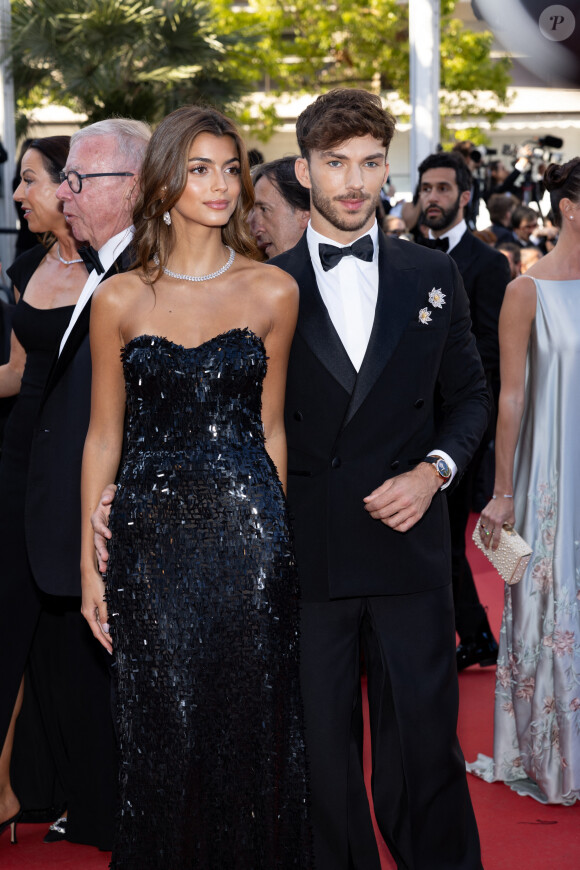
point(440, 466)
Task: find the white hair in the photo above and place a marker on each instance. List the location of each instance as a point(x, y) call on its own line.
point(132, 137)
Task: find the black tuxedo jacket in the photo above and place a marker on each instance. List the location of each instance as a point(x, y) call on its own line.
point(348, 432)
point(53, 497)
point(485, 273)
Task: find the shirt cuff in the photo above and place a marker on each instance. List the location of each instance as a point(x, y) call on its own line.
point(449, 462)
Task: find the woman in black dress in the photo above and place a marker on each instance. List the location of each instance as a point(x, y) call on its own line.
point(48, 280)
point(201, 604)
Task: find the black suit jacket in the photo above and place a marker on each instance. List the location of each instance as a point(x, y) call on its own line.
point(485, 273)
point(348, 432)
point(53, 498)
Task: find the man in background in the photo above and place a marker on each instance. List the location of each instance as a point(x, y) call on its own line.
point(281, 208)
point(445, 185)
point(513, 254)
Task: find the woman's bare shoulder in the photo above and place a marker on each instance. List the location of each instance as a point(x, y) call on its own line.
point(269, 282)
point(519, 304)
point(522, 288)
point(120, 291)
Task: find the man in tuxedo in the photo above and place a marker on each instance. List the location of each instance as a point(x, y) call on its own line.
point(444, 189)
point(98, 192)
point(383, 330)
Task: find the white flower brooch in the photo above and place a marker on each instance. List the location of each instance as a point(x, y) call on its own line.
point(437, 299)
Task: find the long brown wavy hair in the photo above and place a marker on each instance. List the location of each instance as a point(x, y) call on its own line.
point(163, 180)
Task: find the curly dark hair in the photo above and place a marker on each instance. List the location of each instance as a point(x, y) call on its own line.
point(164, 177)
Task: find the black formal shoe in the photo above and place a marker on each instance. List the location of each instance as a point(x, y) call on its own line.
point(11, 823)
point(57, 831)
point(481, 650)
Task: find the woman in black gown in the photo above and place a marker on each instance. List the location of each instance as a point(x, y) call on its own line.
point(201, 604)
point(48, 280)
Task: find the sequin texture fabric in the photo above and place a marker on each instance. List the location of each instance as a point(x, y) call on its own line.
point(203, 606)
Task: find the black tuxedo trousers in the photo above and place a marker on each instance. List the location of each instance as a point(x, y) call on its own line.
point(420, 387)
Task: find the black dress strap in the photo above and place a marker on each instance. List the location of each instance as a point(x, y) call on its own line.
point(24, 267)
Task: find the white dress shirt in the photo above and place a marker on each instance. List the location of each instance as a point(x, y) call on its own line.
point(455, 234)
point(107, 255)
point(349, 291)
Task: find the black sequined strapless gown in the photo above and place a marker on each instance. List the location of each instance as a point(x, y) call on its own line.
point(203, 605)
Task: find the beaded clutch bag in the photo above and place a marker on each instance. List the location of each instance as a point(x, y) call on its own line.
point(511, 557)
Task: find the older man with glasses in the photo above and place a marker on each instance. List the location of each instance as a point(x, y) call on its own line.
point(99, 186)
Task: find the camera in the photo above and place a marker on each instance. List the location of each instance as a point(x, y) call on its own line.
point(539, 150)
point(478, 155)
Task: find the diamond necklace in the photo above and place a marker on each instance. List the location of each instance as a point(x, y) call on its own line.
point(62, 259)
point(180, 277)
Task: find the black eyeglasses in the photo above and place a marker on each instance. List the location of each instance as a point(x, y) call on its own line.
point(75, 179)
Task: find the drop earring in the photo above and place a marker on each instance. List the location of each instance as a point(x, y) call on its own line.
point(167, 218)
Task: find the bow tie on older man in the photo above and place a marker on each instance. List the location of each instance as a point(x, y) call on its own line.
point(330, 255)
point(91, 259)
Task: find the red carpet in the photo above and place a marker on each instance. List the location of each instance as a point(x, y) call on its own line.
point(517, 833)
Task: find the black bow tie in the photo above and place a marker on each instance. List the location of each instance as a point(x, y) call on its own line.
point(438, 244)
point(330, 255)
point(91, 259)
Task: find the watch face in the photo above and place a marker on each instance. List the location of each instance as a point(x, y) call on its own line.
point(443, 469)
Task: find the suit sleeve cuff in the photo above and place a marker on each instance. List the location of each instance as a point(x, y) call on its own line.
point(449, 462)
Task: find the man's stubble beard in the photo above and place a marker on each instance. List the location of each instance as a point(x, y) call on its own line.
point(325, 207)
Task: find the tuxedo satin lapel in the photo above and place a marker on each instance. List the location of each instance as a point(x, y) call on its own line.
point(81, 327)
point(59, 363)
point(399, 297)
point(314, 323)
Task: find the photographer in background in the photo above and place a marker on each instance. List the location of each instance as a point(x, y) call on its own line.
point(500, 180)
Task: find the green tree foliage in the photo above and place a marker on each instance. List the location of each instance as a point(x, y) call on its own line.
point(143, 58)
point(314, 45)
point(138, 58)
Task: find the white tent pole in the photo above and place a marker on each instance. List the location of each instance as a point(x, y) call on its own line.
point(424, 33)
